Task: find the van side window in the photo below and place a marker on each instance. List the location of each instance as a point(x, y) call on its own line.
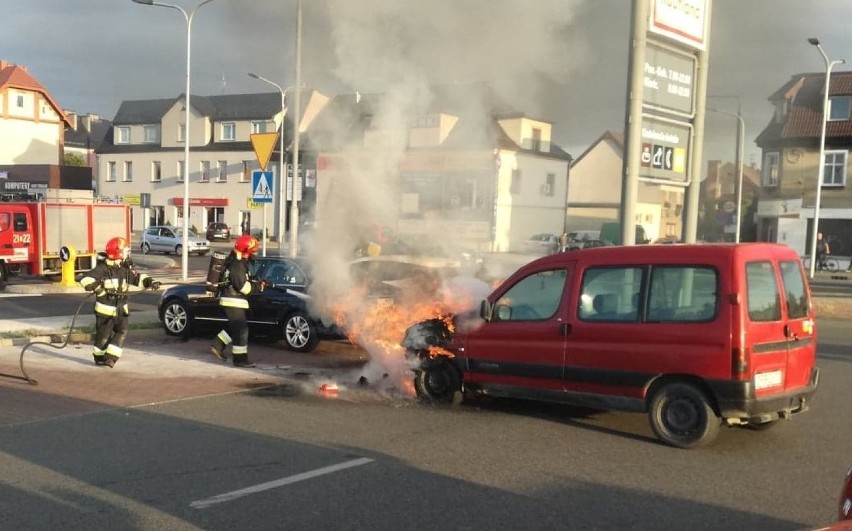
point(764, 300)
point(533, 298)
point(794, 288)
point(4, 221)
point(610, 294)
point(20, 222)
point(682, 294)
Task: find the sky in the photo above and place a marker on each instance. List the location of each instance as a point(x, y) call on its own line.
point(564, 61)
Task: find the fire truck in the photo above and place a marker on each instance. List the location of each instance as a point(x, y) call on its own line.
point(35, 236)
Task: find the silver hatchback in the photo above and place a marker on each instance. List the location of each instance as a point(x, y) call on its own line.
point(165, 239)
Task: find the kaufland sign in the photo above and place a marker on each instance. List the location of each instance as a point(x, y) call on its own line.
point(684, 21)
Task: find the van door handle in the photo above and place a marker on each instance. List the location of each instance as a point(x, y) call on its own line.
point(787, 331)
point(565, 329)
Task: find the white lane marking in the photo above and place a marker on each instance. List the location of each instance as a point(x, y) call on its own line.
point(10, 295)
point(233, 495)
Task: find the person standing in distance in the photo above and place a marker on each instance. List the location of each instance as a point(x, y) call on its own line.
point(109, 280)
point(822, 250)
point(233, 298)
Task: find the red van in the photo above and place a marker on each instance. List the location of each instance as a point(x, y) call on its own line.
point(694, 335)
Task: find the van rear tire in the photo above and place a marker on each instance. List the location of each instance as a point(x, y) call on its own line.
point(681, 416)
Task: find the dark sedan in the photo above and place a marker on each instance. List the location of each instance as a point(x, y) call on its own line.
point(278, 312)
point(218, 231)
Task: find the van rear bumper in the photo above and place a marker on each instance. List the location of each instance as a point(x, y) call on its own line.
point(737, 400)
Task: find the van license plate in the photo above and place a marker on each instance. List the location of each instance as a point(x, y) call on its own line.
point(762, 380)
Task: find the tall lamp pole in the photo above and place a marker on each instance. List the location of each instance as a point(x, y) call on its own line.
point(821, 172)
point(186, 137)
point(740, 149)
point(294, 204)
point(282, 195)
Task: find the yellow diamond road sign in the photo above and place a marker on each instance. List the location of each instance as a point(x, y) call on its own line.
point(263, 143)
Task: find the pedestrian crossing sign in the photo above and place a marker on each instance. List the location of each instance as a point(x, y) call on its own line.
point(262, 186)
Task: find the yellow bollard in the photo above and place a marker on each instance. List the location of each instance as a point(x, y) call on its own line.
point(68, 255)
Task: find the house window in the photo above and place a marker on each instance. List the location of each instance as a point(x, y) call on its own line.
point(151, 134)
point(248, 166)
point(536, 139)
point(839, 107)
point(515, 187)
point(259, 127)
point(122, 135)
point(549, 185)
point(229, 130)
point(835, 168)
point(180, 171)
point(156, 171)
point(111, 172)
point(223, 172)
point(20, 101)
point(181, 133)
point(128, 171)
point(770, 169)
point(205, 171)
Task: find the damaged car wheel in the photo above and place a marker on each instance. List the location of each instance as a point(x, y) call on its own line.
point(437, 381)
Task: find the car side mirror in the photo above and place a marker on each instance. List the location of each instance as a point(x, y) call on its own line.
point(485, 310)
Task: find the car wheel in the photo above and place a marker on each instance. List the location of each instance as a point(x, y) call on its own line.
point(146, 248)
point(299, 333)
point(179, 249)
point(681, 416)
point(437, 381)
point(176, 318)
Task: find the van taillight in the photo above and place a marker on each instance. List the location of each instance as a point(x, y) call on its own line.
point(739, 362)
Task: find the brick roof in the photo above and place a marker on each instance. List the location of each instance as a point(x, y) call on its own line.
point(803, 121)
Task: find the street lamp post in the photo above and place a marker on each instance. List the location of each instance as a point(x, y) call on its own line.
point(282, 195)
point(294, 204)
point(186, 137)
point(740, 149)
point(821, 171)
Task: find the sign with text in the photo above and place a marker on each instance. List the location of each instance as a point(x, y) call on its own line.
point(684, 21)
point(665, 150)
point(669, 80)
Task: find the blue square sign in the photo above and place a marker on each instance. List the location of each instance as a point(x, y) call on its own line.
point(262, 186)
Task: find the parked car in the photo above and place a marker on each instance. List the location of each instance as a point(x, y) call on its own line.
point(585, 244)
point(542, 243)
point(280, 311)
point(218, 231)
point(166, 239)
point(845, 505)
point(696, 336)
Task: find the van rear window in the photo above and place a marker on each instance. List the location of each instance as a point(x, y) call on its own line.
point(794, 289)
point(764, 300)
point(682, 294)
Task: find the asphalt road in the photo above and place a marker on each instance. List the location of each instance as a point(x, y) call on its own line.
point(284, 457)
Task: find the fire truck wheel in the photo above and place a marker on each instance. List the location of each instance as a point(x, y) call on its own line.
point(299, 333)
point(4, 276)
point(437, 381)
point(176, 318)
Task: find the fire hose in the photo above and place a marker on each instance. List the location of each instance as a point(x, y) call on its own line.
point(33, 381)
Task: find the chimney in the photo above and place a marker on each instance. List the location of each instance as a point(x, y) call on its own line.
point(4, 64)
point(72, 117)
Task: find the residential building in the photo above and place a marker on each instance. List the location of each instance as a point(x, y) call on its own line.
point(791, 157)
point(83, 137)
point(142, 157)
point(594, 192)
point(461, 169)
point(32, 126)
point(718, 196)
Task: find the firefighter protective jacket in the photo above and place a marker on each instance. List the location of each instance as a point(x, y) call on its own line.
point(110, 281)
point(238, 286)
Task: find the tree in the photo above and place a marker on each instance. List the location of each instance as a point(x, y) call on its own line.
point(73, 159)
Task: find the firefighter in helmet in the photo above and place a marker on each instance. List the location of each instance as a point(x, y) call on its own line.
point(109, 280)
point(233, 298)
